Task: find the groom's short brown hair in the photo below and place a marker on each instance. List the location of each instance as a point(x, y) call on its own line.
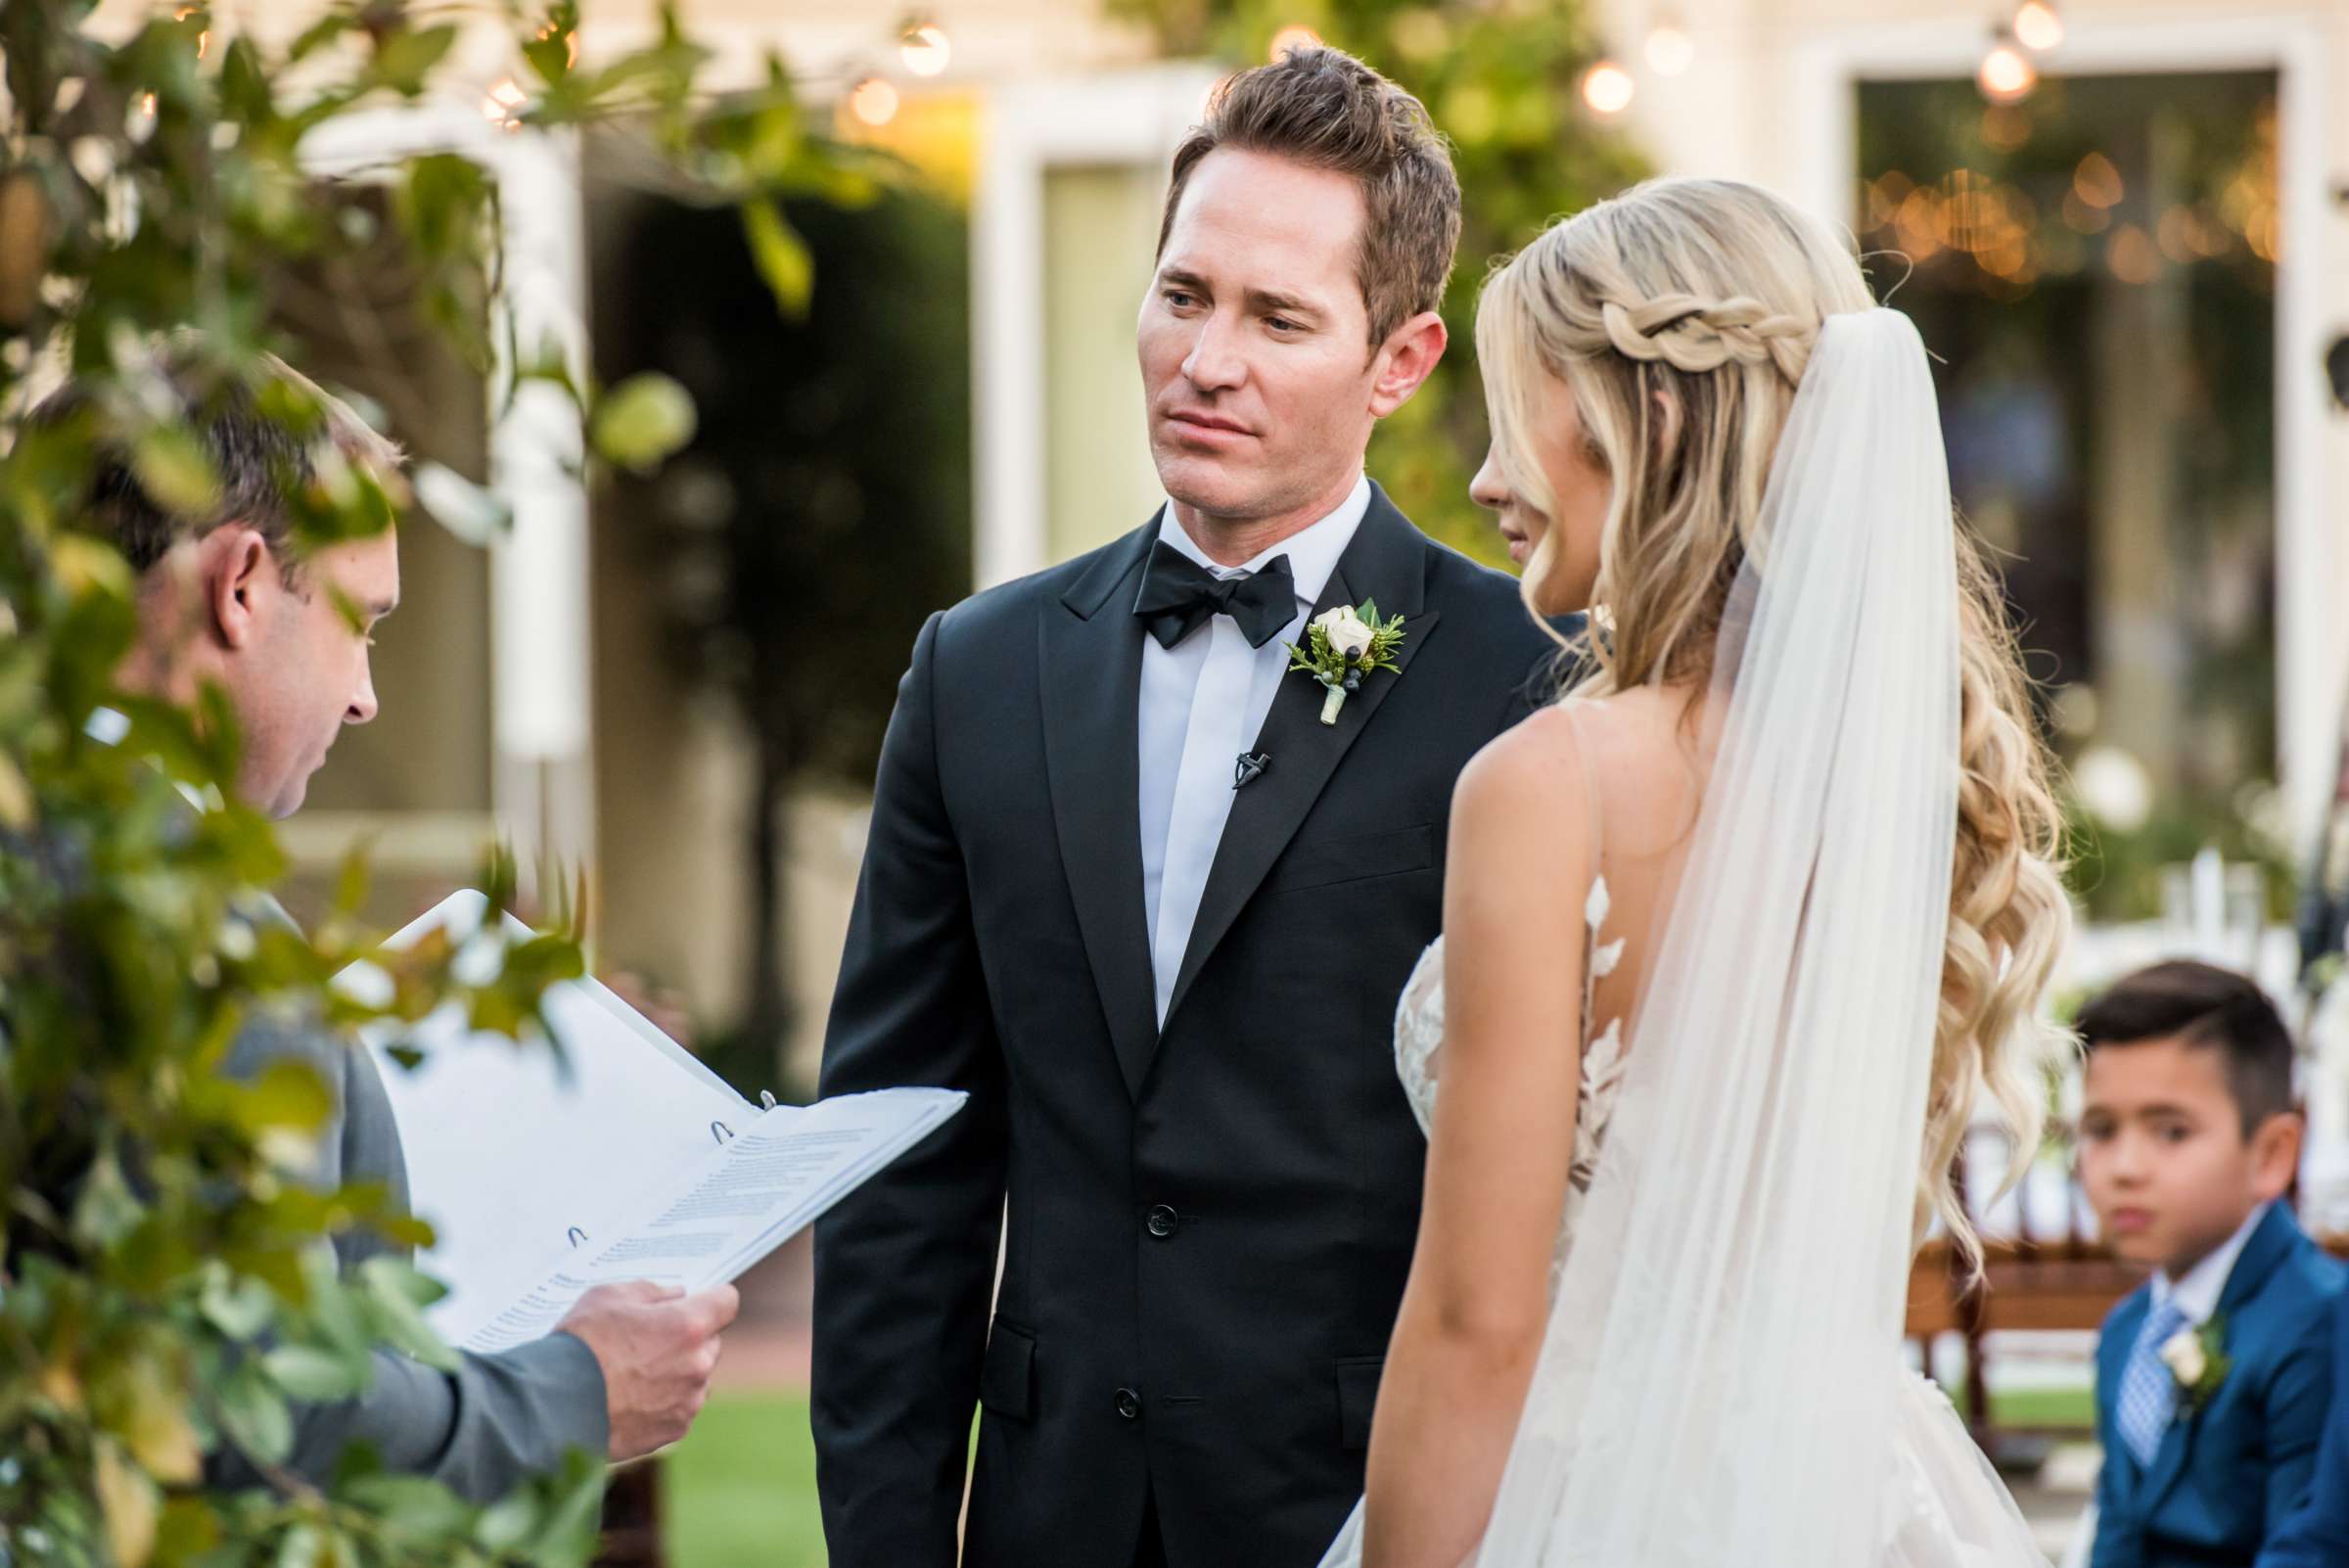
point(1327, 110)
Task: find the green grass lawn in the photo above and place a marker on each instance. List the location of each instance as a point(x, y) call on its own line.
point(2074, 1408)
point(740, 1490)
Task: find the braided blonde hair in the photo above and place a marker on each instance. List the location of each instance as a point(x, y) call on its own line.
point(1679, 316)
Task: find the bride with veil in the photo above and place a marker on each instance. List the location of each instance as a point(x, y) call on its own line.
point(1736, 937)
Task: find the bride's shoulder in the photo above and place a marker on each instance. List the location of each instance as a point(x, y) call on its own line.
point(1569, 757)
point(1591, 731)
point(1522, 825)
point(1532, 777)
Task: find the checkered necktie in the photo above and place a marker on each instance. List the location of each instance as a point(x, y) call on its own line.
point(2148, 1391)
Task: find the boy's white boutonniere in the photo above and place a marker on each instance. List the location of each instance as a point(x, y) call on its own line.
point(1340, 647)
point(2197, 1358)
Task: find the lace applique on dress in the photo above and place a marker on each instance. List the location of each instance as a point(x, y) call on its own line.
point(1419, 1043)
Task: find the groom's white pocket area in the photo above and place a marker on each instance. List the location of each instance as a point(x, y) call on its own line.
point(624, 1158)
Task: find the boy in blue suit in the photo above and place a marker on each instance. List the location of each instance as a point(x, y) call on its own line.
point(2317, 1536)
point(2214, 1377)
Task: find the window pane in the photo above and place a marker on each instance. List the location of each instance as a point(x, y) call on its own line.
point(2095, 269)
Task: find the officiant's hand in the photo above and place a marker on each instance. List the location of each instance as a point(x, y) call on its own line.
point(658, 1347)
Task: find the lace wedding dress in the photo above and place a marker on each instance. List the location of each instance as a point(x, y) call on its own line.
point(1938, 1502)
point(1720, 1383)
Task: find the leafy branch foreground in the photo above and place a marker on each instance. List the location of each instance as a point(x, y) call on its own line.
point(167, 1288)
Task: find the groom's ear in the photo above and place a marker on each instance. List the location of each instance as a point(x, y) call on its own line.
point(1406, 359)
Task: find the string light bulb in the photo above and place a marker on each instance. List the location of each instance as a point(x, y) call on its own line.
point(1608, 89)
point(2037, 26)
point(1670, 49)
point(2006, 75)
point(873, 101)
point(502, 106)
point(925, 47)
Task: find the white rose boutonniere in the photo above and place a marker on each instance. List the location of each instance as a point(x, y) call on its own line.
point(1341, 646)
point(2196, 1358)
point(1348, 633)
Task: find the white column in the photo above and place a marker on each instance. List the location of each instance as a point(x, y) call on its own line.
point(542, 784)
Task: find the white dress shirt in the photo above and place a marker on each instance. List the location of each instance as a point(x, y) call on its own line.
point(1203, 702)
point(2197, 1294)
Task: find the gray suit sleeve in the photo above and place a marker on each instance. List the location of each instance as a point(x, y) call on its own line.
point(494, 1421)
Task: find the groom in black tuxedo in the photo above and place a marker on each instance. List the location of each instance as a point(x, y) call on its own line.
point(1128, 890)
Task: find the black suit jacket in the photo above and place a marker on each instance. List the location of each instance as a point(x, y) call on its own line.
point(1204, 1229)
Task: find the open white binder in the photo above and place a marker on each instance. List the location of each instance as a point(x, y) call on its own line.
point(625, 1159)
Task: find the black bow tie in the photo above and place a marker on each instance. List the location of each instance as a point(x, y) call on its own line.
point(1179, 595)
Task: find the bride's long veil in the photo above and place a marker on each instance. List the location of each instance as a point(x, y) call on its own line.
point(1721, 1370)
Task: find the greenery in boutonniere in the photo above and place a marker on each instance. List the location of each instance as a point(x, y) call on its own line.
point(1343, 645)
point(2197, 1358)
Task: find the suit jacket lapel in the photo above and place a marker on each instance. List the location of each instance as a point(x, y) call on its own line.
point(1386, 562)
point(2169, 1462)
point(1093, 670)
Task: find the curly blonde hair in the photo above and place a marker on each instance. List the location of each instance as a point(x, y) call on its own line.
point(1680, 317)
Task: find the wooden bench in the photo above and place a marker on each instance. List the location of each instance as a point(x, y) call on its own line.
point(2028, 1286)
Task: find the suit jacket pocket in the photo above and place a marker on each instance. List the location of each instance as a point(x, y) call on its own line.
point(1354, 857)
point(1007, 1380)
point(1358, 1397)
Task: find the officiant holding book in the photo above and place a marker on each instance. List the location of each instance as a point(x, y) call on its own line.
point(225, 600)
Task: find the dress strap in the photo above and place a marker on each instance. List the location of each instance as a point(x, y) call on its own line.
point(1578, 716)
point(1599, 955)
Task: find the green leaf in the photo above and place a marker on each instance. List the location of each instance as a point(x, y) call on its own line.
point(142, 1403)
point(306, 1372)
point(108, 1209)
point(17, 805)
point(398, 1292)
point(508, 1524)
point(131, 1503)
point(405, 1230)
point(351, 884)
point(418, 1504)
point(643, 421)
point(333, 1303)
point(572, 1530)
point(443, 203)
point(325, 31)
point(782, 256)
point(239, 1308)
point(549, 57)
point(287, 1094)
point(172, 468)
point(85, 566)
point(255, 1413)
point(187, 1531)
point(245, 84)
point(403, 59)
point(303, 1547)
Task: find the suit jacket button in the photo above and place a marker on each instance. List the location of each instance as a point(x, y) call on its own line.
point(1129, 1404)
point(1161, 1221)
